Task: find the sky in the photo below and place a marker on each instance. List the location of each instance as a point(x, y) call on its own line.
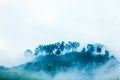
point(24, 24)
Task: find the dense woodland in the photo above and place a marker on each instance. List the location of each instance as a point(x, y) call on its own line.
point(60, 56)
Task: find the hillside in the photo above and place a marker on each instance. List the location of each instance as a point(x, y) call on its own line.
point(61, 57)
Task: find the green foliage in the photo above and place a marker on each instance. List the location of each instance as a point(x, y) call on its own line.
point(56, 48)
point(17, 74)
point(54, 61)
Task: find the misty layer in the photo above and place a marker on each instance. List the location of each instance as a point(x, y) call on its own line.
point(66, 61)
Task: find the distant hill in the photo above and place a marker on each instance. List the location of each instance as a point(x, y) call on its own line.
point(60, 56)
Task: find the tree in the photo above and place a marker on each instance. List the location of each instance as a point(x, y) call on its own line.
point(83, 50)
point(62, 45)
point(49, 49)
point(58, 52)
point(90, 48)
point(74, 45)
point(68, 46)
point(39, 50)
point(107, 55)
point(113, 57)
point(28, 53)
point(99, 49)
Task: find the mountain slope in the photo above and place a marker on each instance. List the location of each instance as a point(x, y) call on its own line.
point(53, 60)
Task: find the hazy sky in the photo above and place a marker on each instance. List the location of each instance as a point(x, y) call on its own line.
point(24, 24)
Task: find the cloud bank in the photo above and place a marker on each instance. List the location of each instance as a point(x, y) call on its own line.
point(27, 23)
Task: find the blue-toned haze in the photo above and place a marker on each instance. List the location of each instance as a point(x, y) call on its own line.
point(24, 24)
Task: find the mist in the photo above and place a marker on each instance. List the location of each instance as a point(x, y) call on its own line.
point(28, 29)
point(25, 24)
point(104, 73)
point(65, 61)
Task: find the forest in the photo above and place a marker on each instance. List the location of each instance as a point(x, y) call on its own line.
point(51, 59)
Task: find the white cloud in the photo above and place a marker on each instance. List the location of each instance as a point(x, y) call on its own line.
point(27, 23)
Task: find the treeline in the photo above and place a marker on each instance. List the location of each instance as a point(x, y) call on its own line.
point(56, 48)
point(58, 57)
point(62, 56)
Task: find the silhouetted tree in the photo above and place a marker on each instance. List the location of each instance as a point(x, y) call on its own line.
point(58, 52)
point(62, 45)
point(90, 48)
point(74, 45)
point(113, 57)
point(83, 50)
point(36, 51)
point(107, 55)
point(68, 46)
point(28, 51)
point(49, 49)
point(39, 50)
point(99, 49)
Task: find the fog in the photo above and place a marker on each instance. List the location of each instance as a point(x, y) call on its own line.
point(93, 62)
point(102, 73)
point(105, 72)
point(24, 24)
